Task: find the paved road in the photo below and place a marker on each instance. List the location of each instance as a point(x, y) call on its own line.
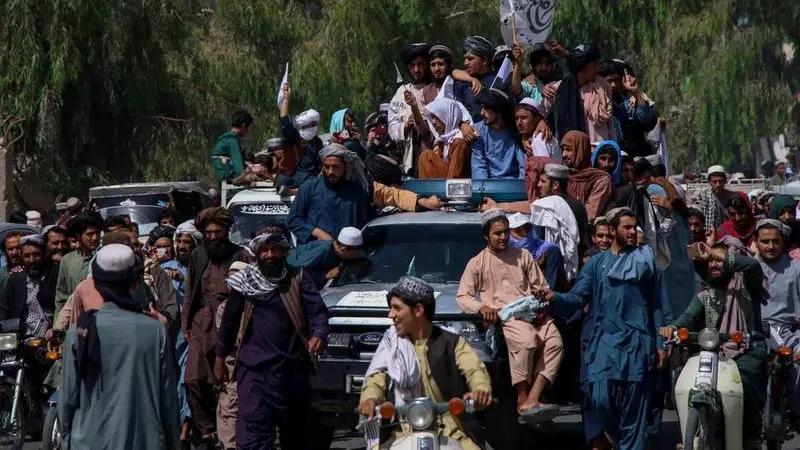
point(568, 435)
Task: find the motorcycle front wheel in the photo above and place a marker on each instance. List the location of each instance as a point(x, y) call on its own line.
point(51, 436)
point(699, 435)
point(12, 430)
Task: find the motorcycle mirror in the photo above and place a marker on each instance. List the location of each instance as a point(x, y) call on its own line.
point(456, 407)
point(387, 411)
point(737, 337)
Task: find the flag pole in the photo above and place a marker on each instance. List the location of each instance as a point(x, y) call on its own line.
point(514, 21)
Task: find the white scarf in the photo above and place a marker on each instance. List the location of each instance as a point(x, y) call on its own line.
point(449, 112)
point(554, 214)
point(396, 356)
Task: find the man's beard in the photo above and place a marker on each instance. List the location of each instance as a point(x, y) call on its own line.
point(183, 258)
point(272, 268)
point(217, 250)
point(34, 270)
point(332, 182)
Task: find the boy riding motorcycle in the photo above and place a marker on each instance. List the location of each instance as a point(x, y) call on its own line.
point(419, 359)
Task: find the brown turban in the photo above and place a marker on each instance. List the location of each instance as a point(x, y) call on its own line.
point(217, 215)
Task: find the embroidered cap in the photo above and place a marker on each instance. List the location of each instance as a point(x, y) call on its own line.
point(237, 265)
point(351, 237)
point(716, 170)
point(491, 214)
point(556, 171)
point(413, 288)
point(616, 212)
point(764, 223)
point(518, 220)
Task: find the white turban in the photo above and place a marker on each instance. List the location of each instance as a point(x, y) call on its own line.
point(304, 121)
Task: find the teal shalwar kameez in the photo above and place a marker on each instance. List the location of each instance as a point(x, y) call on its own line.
point(707, 310)
point(318, 257)
point(629, 305)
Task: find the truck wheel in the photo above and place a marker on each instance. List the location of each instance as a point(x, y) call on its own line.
point(51, 435)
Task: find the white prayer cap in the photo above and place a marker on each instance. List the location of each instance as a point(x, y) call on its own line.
point(34, 219)
point(623, 153)
point(34, 239)
point(614, 213)
point(531, 103)
point(716, 170)
point(73, 202)
point(384, 107)
point(115, 258)
point(518, 220)
point(491, 214)
point(655, 160)
point(350, 237)
point(779, 162)
point(556, 171)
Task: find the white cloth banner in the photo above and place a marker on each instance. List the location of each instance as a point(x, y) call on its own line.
point(533, 18)
point(283, 81)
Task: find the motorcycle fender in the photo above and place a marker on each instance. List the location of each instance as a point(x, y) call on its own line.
point(683, 389)
point(729, 386)
point(420, 441)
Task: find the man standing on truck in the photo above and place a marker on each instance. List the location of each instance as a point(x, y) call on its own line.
point(627, 303)
point(417, 358)
point(227, 157)
point(500, 275)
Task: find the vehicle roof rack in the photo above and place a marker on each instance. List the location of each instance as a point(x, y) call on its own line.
point(473, 191)
point(228, 189)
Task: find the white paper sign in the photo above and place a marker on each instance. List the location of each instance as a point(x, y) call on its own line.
point(533, 18)
point(367, 299)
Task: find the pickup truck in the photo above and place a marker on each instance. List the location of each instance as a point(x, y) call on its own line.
point(436, 247)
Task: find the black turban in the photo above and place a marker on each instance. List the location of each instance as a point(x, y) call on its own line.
point(216, 215)
point(78, 224)
point(581, 56)
point(496, 100)
point(159, 232)
point(610, 67)
point(413, 51)
point(384, 169)
point(480, 46)
point(375, 119)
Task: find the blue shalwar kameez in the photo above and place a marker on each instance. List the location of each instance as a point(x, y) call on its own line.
point(539, 248)
point(319, 204)
point(628, 306)
point(318, 257)
point(181, 346)
point(273, 371)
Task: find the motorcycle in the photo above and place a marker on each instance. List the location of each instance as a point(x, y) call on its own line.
point(21, 361)
point(708, 393)
point(422, 415)
point(51, 434)
point(780, 384)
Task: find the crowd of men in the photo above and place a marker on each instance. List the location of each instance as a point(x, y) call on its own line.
point(600, 246)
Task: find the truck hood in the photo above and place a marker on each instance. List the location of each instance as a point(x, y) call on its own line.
point(373, 296)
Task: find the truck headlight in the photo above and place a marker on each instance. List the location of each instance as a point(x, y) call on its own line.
point(420, 415)
point(467, 330)
point(458, 190)
point(8, 342)
point(708, 339)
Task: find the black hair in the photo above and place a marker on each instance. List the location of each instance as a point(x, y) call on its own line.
point(241, 118)
point(18, 217)
point(737, 203)
point(537, 55)
point(54, 230)
point(168, 212)
point(599, 223)
point(116, 221)
point(610, 67)
point(660, 170)
point(447, 57)
point(488, 225)
point(614, 223)
point(694, 212)
point(428, 304)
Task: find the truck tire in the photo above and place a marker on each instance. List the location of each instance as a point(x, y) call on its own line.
point(51, 435)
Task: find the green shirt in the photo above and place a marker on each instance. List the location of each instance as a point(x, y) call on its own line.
point(227, 147)
point(73, 269)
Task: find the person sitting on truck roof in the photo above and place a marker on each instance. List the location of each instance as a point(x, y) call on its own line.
point(593, 187)
point(343, 196)
point(496, 153)
point(528, 115)
point(226, 157)
point(344, 130)
point(301, 135)
point(779, 179)
point(449, 156)
point(325, 259)
point(712, 201)
point(417, 358)
point(546, 254)
point(496, 277)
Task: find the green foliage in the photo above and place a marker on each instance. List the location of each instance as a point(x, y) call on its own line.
point(127, 91)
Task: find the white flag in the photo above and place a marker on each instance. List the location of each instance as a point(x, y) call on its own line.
point(399, 76)
point(283, 82)
point(532, 20)
point(446, 91)
point(504, 74)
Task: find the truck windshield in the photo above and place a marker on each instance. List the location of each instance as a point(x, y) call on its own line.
point(437, 253)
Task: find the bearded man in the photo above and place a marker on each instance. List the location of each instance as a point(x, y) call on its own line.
point(205, 290)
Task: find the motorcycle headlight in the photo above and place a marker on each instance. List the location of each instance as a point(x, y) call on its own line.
point(8, 342)
point(419, 415)
point(708, 339)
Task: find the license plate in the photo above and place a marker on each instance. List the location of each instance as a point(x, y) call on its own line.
point(425, 443)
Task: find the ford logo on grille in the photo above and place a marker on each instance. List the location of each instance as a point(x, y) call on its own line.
point(370, 338)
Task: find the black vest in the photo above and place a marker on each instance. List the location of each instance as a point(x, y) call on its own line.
point(442, 361)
